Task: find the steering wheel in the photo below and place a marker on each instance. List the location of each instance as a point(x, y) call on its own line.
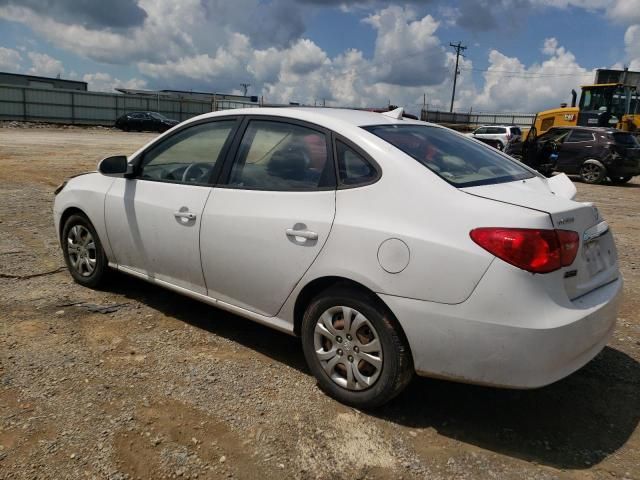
point(201, 171)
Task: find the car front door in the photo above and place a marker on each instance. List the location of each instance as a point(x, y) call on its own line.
point(265, 226)
point(575, 148)
point(153, 220)
point(480, 131)
point(134, 121)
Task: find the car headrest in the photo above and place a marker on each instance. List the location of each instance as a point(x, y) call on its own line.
point(290, 164)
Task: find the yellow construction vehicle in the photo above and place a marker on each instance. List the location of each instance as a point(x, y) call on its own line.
point(612, 105)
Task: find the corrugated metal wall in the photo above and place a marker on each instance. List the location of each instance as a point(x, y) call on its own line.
point(32, 104)
point(520, 119)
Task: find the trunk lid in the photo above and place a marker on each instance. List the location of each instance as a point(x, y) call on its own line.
point(596, 263)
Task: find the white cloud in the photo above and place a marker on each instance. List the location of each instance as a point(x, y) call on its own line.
point(632, 42)
point(10, 60)
point(407, 51)
point(45, 65)
point(104, 82)
point(510, 85)
point(625, 11)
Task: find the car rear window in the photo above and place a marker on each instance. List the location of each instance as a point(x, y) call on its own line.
point(626, 139)
point(460, 161)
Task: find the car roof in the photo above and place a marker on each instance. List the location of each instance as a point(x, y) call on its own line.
point(591, 129)
point(322, 115)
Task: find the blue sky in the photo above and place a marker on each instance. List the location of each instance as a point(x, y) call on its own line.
point(522, 55)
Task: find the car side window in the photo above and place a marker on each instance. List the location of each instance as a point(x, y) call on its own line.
point(480, 130)
point(353, 168)
point(189, 156)
point(580, 136)
point(282, 156)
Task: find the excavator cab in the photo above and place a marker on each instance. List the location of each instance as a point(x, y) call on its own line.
point(609, 105)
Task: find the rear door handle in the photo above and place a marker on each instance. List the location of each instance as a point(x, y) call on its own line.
point(309, 235)
point(187, 215)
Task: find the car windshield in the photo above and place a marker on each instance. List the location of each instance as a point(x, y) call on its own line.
point(456, 159)
point(157, 116)
point(516, 131)
point(625, 139)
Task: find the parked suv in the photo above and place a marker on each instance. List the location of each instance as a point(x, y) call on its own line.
point(500, 134)
point(594, 153)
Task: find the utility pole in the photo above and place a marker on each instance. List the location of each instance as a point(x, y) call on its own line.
point(458, 48)
point(245, 88)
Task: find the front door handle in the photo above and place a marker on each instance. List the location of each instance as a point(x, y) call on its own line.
point(186, 215)
point(309, 235)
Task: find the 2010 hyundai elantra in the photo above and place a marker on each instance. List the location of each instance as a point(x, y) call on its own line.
point(390, 246)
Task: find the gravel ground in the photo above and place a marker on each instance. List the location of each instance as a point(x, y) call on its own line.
point(133, 381)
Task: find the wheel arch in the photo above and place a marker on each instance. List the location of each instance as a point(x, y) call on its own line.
point(595, 162)
point(321, 284)
point(66, 214)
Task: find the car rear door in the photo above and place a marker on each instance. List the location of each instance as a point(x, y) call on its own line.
point(153, 220)
point(575, 148)
point(265, 226)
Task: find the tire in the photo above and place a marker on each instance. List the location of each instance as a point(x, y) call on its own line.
point(500, 146)
point(83, 252)
point(370, 386)
point(592, 173)
point(621, 180)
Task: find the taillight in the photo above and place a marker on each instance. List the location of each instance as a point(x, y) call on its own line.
point(569, 244)
point(533, 250)
point(508, 136)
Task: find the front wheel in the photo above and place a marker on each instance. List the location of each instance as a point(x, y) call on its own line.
point(355, 348)
point(83, 252)
point(592, 173)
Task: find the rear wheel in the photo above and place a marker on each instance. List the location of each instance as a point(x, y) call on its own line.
point(500, 146)
point(621, 180)
point(592, 173)
point(83, 252)
point(354, 348)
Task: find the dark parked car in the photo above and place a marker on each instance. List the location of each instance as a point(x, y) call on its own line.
point(140, 121)
point(594, 153)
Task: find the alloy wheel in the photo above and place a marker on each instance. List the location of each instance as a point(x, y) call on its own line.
point(348, 347)
point(590, 172)
point(81, 248)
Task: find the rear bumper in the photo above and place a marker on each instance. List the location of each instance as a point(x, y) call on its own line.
point(623, 171)
point(542, 345)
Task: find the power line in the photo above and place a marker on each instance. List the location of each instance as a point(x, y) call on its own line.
point(526, 74)
point(458, 48)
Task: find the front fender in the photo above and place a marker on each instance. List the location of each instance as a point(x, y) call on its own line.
point(85, 193)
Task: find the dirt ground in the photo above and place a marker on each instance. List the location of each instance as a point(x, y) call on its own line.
point(165, 387)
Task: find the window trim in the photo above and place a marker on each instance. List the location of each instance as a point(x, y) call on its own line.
point(215, 173)
point(453, 184)
point(232, 155)
point(569, 138)
point(335, 138)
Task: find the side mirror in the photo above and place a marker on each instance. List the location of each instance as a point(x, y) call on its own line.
point(116, 165)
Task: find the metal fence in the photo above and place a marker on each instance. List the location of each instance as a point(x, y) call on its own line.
point(472, 119)
point(31, 104)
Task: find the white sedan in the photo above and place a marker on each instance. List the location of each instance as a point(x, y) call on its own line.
point(390, 246)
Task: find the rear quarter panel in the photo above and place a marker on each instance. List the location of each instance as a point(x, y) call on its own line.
point(430, 216)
